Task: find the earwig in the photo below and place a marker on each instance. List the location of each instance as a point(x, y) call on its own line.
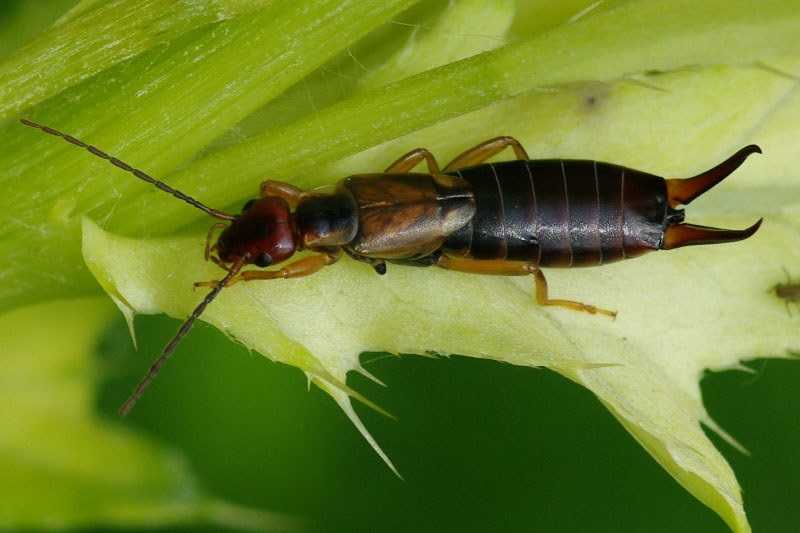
point(789, 292)
point(509, 218)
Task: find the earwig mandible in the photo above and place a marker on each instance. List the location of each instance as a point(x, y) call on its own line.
point(509, 218)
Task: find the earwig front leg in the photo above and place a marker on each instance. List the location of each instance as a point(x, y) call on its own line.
point(217, 261)
point(297, 269)
point(517, 268)
point(288, 192)
point(478, 154)
point(407, 162)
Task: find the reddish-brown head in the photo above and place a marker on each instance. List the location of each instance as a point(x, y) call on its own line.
point(263, 234)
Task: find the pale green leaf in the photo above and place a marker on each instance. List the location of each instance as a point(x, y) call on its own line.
point(680, 312)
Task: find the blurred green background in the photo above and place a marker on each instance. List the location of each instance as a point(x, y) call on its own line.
point(481, 446)
point(530, 452)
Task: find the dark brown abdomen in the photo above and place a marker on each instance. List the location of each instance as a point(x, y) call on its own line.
point(561, 213)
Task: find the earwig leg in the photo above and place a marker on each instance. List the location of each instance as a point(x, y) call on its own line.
point(217, 261)
point(207, 253)
point(213, 283)
point(542, 298)
point(288, 192)
point(517, 268)
point(413, 158)
point(478, 154)
point(297, 269)
point(497, 267)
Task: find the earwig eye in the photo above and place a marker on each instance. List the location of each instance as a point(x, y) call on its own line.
point(248, 205)
point(263, 260)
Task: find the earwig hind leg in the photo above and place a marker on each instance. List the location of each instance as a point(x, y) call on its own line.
point(288, 192)
point(480, 153)
point(406, 162)
point(543, 299)
point(296, 269)
point(518, 268)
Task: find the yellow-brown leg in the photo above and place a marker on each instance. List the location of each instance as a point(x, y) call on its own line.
point(542, 298)
point(217, 261)
point(517, 268)
point(302, 267)
point(207, 253)
point(407, 162)
point(478, 154)
point(288, 192)
point(496, 267)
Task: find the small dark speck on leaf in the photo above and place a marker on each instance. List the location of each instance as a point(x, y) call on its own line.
point(594, 95)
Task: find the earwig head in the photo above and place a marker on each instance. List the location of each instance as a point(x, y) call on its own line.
point(683, 191)
point(262, 235)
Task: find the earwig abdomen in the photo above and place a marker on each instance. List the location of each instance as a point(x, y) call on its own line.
point(562, 213)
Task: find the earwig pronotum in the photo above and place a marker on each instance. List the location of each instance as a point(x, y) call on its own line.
point(508, 218)
point(789, 292)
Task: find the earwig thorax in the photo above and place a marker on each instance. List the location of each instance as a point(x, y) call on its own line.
point(327, 220)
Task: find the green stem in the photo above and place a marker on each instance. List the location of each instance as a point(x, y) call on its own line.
point(157, 111)
point(634, 38)
point(103, 35)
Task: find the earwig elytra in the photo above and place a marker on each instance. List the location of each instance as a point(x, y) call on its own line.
point(508, 218)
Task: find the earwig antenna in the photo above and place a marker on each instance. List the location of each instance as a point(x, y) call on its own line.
point(155, 368)
point(127, 168)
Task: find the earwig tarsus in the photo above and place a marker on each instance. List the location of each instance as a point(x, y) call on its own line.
point(508, 218)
